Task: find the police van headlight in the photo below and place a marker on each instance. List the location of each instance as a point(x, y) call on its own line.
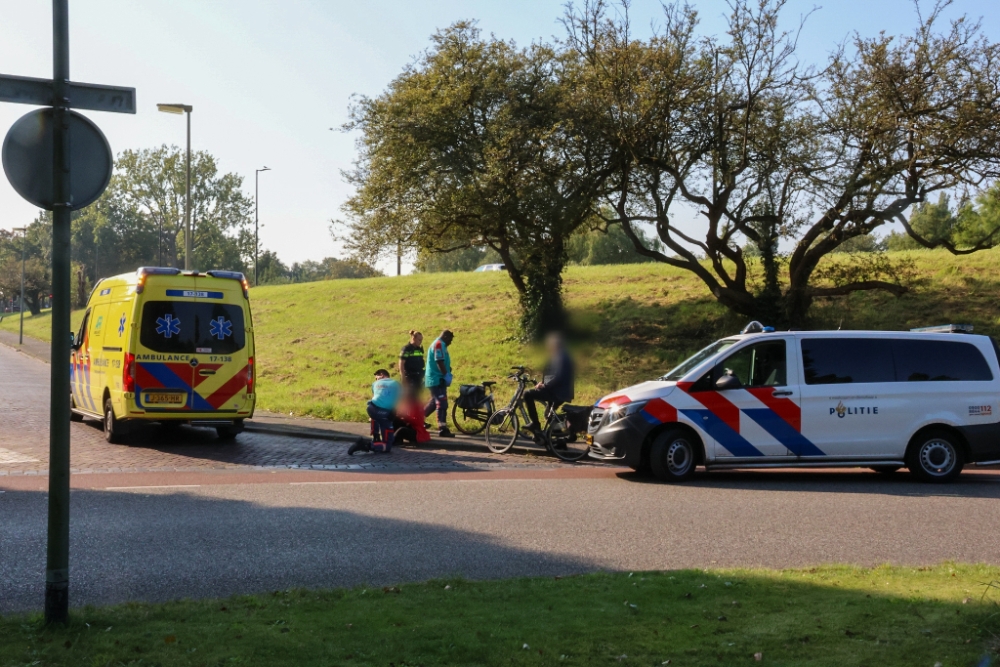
point(619, 412)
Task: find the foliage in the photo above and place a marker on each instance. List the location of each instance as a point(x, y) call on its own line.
point(36, 245)
point(964, 228)
point(830, 615)
point(759, 146)
point(475, 145)
point(274, 272)
point(605, 245)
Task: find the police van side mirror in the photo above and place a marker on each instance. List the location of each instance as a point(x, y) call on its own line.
point(728, 382)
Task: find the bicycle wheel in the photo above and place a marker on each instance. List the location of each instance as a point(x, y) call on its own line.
point(566, 450)
point(470, 421)
point(501, 430)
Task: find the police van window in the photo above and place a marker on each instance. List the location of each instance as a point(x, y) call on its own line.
point(760, 365)
point(695, 360)
point(847, 360)
point(188, 327)
point(938, 361)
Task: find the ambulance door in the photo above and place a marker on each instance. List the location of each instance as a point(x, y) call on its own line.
point(80, 367)
point(219, 378)
point(165, 353)
point(99, 357)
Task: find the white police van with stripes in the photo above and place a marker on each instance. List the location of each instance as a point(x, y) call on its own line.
point(928, 400)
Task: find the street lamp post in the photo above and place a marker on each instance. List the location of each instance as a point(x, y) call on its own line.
point(256, 226)
point(24, 243)
point(188, 240)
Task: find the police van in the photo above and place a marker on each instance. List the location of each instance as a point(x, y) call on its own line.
point(168, 346)
point(928, 400)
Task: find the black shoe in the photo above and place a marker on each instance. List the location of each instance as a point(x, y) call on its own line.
point(443, 432)
point(361, 445)
point(533, 427)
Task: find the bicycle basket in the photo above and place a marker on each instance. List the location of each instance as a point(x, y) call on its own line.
point(470, 396)
point(577, 416)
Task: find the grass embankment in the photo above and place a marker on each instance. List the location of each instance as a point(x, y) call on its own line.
point(317, 343)
point(823, 616)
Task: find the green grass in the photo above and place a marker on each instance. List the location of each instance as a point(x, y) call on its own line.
point(317, 343)
point(823, 616)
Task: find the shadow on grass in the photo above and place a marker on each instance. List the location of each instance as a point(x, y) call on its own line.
point(824, 617)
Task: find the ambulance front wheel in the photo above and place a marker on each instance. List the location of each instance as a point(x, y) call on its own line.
point(673, 455)
point(114, 432)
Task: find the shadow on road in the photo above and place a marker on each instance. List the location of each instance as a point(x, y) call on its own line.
point(159, 546)
point(901, 483)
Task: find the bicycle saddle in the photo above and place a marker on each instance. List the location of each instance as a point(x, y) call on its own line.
point(489, 383)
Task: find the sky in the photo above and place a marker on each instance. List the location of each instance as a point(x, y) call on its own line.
point(269, 79)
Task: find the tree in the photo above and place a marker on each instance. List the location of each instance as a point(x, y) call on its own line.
point(272, 270)
point(463, 259)
point(475, 145)
point(606, 245)
point(146, 196)
point(742, 137)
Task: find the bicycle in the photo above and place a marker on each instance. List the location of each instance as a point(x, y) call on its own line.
point(473, 408)
point(504, 425)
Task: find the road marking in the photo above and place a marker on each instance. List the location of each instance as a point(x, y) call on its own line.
point(9, 456)
point(163, 486)
point(315, 483)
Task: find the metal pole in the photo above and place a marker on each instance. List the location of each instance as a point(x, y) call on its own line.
point(57, 555)
point(24, 243)
point(256, 220)
point(188, 240)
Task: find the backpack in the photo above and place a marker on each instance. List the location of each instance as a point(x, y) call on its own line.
point(470, 396)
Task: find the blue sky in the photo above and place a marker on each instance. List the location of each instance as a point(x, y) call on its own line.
point(267, 79)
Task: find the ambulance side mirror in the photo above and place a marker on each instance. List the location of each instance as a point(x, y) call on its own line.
point(728, 381)
point(72, 340)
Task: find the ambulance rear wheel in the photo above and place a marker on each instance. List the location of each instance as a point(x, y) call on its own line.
point(113, 431)
point(935, 456)
point(673, 456)
point(228, 433)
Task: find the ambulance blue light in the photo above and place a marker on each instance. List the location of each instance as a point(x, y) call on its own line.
point(232, 275)
point(144, 271)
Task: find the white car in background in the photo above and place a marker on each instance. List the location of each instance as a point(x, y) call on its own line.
point(490, 267)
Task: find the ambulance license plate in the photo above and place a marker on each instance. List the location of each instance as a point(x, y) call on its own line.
point(164, 398)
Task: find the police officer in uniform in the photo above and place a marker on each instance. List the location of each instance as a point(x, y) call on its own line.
point(411, 366)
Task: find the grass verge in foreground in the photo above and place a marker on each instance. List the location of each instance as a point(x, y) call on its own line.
point(822, 616)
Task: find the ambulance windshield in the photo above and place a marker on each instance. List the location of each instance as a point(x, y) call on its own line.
point(189, 327)
point(693, 361)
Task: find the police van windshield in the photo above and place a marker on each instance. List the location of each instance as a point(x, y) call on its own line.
point(693, 361)
point(188, 327)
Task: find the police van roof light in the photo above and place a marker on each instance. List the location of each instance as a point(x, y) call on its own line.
point(756, 327)
point(945, 328)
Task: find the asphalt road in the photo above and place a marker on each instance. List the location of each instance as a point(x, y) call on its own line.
point(163, 543)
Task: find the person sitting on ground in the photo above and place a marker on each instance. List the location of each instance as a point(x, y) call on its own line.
point(385, 395)
point(411, 366)
point(557, 385)
point(437, 378)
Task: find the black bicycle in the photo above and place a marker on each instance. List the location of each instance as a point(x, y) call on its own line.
point(558, 434)
point(473, 407)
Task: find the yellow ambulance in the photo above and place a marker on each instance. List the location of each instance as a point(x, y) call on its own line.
point(168, 346)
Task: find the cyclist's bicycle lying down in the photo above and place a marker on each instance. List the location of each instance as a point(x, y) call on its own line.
point(560, 430)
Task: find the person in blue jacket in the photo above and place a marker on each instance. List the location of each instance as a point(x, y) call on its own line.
point(437, 378)
point(385, 395)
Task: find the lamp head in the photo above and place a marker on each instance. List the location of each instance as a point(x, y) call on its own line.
point(175, 108)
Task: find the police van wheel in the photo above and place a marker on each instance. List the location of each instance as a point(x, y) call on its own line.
point(935, 456)
point(113, 431)
point(673, 456)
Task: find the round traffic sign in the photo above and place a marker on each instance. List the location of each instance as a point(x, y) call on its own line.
point(27, 159)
